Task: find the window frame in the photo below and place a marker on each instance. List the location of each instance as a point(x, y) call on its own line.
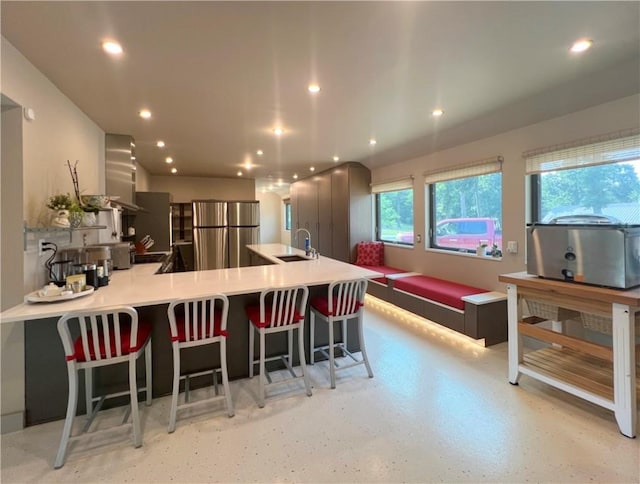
point(287, 215)
point(378, 222)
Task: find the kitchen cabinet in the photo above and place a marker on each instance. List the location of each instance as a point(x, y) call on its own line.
point(154, 220)
point(335, 206)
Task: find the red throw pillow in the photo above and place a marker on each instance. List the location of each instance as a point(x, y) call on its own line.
point(370, 254)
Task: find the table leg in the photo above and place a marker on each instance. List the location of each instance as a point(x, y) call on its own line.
point(624, 369)
point(515, 340)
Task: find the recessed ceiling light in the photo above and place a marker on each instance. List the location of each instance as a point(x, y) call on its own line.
point(133, 158)
point(248, 165)
point(437, 112)
point(259, 152)
point(111, 47)
point(278, 131)
point(279, 183)
point(174, 170)
point(313, 88)
point(312, 168)
point(145, 114)
point(168, 159)
point(581, 45)
point(336, 158)
point(160, 144)
point(295, 176)
point(239, 173)
point(372, 142)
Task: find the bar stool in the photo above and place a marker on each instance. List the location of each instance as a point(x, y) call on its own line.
point(198, 322)
point(344, 302)
point(280, 310)
point(107, 337)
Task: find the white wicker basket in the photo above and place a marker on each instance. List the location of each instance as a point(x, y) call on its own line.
point(548, 311)
point(603, 324)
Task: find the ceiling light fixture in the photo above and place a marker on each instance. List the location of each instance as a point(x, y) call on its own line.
point(248, 165)
point(168, 159)
point(313, 88)
point(312, 168)
point(295, 176)
point(160, 144)
point(336, 158)
point(437, 112)
point(372, 142)
point(278, 131)
point(239, 173)
point(259, 152)
point(581, 45)
point(174, 170)
point(111, 47)
point(145, 114)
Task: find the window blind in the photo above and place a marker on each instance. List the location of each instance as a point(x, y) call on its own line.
point(393, 185)
point(476, 168)
point(611, 148)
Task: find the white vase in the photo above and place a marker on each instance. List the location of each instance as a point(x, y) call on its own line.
point(61, 219)
point(89, 219)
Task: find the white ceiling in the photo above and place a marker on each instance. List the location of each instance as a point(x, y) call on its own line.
point(218, 76)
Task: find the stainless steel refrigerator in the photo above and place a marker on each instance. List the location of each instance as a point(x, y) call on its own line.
point(244, 228)
point(210, 235)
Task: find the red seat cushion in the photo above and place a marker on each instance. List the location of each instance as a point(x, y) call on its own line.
point(199, 334)
point(439, 290)
point(321, 304)
point(144, 333)
point(253, 313)
point(370, 254)
point(386, 270)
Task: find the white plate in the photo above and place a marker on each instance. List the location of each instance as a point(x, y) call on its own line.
point(35, 297)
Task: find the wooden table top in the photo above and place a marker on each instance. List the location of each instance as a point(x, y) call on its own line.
point(629, 297)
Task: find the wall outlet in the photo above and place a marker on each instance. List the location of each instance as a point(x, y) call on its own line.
point(41, 243)
point(512, 247)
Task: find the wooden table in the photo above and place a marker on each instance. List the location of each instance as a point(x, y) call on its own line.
point(602, 375)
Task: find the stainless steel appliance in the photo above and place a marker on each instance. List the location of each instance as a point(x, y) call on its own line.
point(244, 228)
point(590, 253)
point(120, 254)
point(210, 235)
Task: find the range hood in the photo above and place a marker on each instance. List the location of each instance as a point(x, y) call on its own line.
point(120, 170)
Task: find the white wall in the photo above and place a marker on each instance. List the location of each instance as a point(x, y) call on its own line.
point(60, 132)
point(186, 188)
point(285, 235)
point(143, 179)
point(605, 118)
point(270, 217)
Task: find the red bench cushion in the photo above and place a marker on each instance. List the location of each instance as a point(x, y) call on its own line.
point(439, 290)
point(386, 270)
point(370, 254)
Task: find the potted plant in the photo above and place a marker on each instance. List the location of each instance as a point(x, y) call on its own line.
point(60, 203)
point(76, 215)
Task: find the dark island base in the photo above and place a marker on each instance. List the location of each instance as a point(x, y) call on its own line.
point(46, 383)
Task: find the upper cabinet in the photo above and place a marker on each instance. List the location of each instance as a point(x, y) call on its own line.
point(335, 207)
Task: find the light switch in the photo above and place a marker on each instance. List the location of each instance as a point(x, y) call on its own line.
point(512, 247)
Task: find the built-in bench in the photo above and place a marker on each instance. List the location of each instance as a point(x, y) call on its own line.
point(472, 311)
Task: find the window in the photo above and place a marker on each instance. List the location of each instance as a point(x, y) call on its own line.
point(465, 207)
point(594, 182)
point(394, 211)
point(287, 214)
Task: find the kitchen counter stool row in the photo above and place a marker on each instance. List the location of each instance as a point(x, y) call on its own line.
point(116, 335)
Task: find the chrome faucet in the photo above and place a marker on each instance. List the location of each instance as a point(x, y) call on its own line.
point(307, 250)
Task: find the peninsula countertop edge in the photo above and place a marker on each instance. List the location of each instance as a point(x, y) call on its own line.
point(140, 286)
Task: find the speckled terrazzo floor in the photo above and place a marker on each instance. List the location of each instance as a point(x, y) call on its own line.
point(439, 409)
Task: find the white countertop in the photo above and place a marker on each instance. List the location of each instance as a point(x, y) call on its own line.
point(139, 286)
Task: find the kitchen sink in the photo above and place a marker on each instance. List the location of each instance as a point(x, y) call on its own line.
point(290, 258)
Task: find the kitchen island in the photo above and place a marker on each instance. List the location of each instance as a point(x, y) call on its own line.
point(150, 294)
point(600, 374)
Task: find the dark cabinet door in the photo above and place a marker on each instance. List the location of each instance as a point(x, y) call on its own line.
point(340, 214)
point(307, 192)
point(325, 239)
